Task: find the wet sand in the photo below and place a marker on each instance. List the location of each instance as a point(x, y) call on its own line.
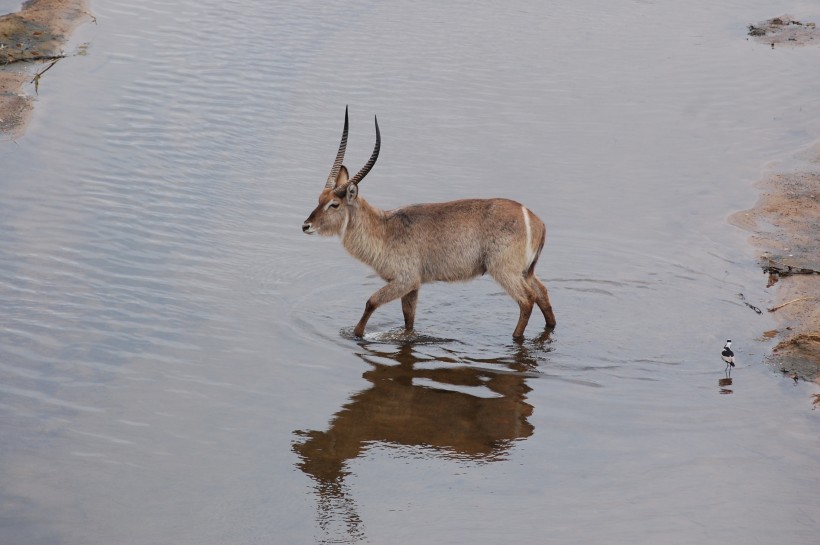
point(785, 225)
point(37, 32)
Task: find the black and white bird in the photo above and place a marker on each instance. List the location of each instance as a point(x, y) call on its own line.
point(727, 354)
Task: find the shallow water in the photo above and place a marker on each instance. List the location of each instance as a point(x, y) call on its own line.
point(9, 6)
point(176, 363)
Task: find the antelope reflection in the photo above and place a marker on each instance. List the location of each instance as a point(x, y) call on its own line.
point(473, 410)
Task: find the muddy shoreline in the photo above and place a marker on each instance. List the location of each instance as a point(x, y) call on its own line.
point(785, 227)
point(35, 34)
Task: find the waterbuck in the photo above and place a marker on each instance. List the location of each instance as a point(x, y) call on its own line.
point(449, 241)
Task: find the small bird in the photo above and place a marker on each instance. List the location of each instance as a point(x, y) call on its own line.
point(727, 355)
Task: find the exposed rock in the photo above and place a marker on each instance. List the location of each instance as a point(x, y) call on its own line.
point(785, 31)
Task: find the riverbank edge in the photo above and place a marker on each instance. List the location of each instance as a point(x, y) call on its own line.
point(35, 34)
point(784, 225)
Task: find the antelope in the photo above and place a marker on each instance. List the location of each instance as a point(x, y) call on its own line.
point(450, 241)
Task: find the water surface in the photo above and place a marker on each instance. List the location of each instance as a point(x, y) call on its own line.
point(173, 349)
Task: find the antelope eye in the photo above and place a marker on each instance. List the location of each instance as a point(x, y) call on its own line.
point(334, 205)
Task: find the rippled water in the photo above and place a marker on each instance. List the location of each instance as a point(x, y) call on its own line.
point(175, 357)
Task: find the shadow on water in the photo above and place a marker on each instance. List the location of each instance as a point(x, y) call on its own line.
point(444, 404)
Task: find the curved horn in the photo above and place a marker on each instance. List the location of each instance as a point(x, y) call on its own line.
point(372, 161)
point(340, 155)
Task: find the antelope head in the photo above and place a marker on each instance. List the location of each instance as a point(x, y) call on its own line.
point(339, 195)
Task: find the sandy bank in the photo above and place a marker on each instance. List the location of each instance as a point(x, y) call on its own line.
point(785, 225)
point(35, 33)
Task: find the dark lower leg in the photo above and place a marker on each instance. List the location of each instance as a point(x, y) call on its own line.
point(358, 331)
point(543, 301)
point(408, 308)
point(523, 318)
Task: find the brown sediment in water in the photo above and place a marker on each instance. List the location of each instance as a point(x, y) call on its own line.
point(785, 31)
point(785, 225)
point(35, 33)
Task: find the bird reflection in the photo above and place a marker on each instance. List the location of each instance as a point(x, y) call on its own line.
point(725, 384)
point(447, 405)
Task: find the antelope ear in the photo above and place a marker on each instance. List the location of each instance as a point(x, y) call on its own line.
point(342, 178)
point(352, 193)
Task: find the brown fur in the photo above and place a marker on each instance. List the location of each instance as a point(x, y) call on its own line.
point(449, 242)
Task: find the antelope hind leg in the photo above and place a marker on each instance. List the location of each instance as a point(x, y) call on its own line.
point(543, 301)
point(518, 287)
point(523, 318)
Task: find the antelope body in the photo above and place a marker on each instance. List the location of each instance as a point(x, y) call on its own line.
point(450, 241)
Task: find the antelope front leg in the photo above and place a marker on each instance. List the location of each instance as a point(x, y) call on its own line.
point(393, 290)
point(408, 308)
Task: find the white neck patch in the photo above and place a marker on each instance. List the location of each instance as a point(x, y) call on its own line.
point(344, 224)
